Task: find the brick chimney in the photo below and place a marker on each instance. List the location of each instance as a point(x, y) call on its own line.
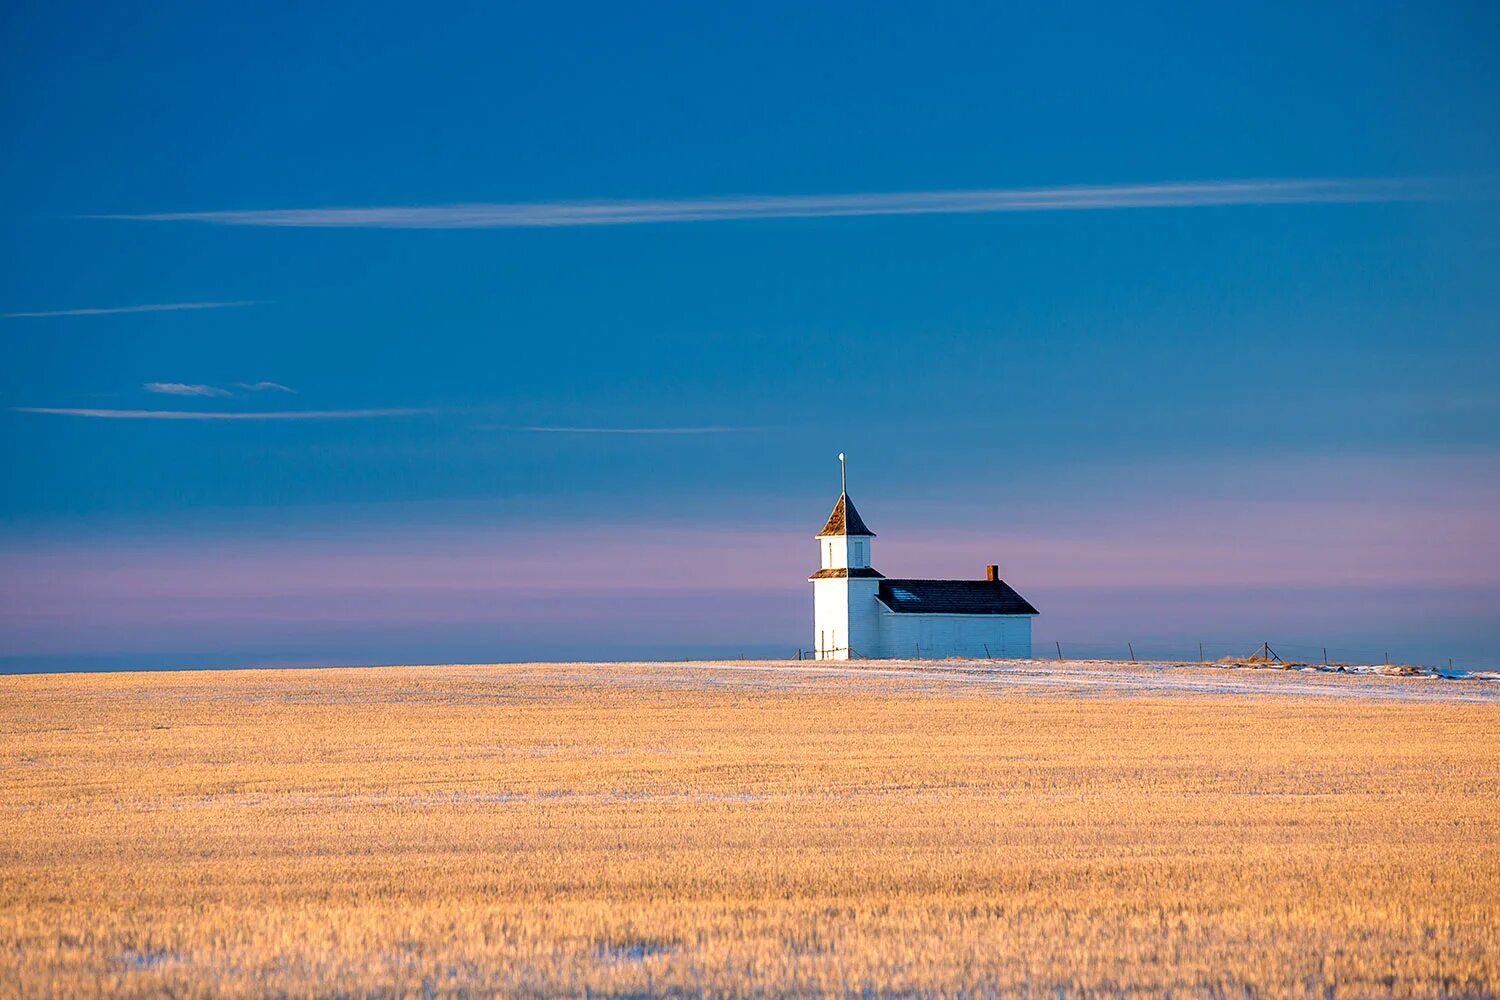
point(992, 573)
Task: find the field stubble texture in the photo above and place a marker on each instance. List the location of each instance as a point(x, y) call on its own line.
point(676, 830)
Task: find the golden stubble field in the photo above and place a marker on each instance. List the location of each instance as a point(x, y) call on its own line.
point(663, 830)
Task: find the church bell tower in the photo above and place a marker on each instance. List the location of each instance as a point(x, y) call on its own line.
point(845, 585)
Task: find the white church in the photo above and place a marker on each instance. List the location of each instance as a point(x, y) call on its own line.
point(859, 614)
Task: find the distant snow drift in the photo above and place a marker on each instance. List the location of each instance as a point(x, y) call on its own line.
point(510, 215)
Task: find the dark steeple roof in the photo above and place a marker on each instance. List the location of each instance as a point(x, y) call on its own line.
point(844, 520)
point(844, 573)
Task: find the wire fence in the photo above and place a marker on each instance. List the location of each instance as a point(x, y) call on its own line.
point(1333, 654)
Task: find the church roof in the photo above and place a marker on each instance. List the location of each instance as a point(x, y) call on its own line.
point(953, 597)
point(841, 573)
point(844, 520)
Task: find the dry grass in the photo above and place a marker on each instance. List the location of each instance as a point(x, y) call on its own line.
point(536, 830)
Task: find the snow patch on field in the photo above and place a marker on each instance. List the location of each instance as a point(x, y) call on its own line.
point(1077, 678)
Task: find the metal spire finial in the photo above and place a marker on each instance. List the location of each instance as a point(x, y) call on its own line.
point(843, 475)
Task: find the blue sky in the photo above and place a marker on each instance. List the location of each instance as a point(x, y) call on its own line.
point(1223, 416)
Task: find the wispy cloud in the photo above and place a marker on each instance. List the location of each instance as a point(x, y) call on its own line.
point(185, 389)
point(195, 389)
point(526, 429)
point(117, 310)
point(243, 415)
point(507, 215)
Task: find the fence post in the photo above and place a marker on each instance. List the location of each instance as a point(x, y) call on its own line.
point(1325, 656)
point(1059, 649)
point(1131, 647)
point(1200, 652)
